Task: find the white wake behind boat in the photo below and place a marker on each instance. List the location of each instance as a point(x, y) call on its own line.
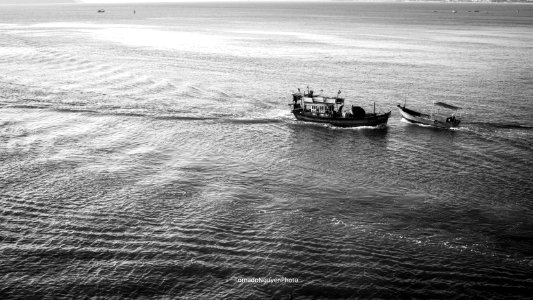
point(434, 118)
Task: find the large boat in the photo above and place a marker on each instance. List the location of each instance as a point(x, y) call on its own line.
point(434, 118)
point(329, 110)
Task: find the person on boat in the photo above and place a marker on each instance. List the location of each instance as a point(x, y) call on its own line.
point(339, 112)
point(451, 119)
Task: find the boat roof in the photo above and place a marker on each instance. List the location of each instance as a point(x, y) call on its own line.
point(448, 106)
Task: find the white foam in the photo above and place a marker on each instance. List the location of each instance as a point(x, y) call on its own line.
point(378, 127)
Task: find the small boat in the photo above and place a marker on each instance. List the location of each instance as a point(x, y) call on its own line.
point(329, 110)
point(435, 118)
point(101, 11)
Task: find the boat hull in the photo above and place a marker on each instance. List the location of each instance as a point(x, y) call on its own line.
point(374, 120)
point(419, 118)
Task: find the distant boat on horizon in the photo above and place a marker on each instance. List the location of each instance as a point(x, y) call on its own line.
point(101, 11)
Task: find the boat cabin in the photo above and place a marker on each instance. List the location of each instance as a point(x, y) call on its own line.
point(318, 105)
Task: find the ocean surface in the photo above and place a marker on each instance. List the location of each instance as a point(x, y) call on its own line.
point(153, 154)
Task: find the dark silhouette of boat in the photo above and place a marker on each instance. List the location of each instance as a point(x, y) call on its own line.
point(101, 11)
point(329, 110)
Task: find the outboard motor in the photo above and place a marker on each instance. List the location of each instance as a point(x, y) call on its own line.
point(358, 112)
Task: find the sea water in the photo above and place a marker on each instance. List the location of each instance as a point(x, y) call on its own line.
point(153, 154)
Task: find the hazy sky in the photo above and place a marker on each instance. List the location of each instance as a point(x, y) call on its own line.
point(131, 1)
point(121, 1)
point(35, 1)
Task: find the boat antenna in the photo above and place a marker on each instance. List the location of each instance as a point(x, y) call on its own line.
point(374, 107)
point(409, 86)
